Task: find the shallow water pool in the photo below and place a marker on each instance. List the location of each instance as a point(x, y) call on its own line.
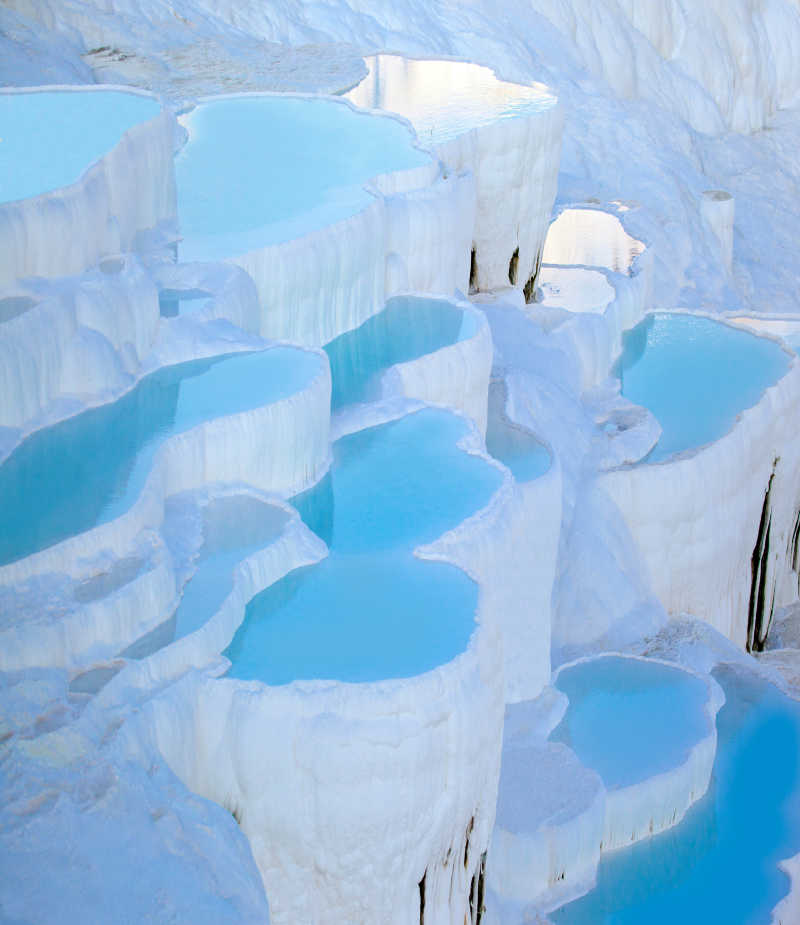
point(372, 610)
point(406, 329)
point(515, 447)
point(720, 863)
point(444, 99)
point(630, 719)
point(89, 469)
point(259, 170)
point(590, 237)
point(696, 375)
point(234, 527)
point(49, 138)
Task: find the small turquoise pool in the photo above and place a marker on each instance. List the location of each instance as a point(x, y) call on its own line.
point(515, 447)
point(49, 138)
point(696, 375)
point(406, 329)
point(260, 170)
point(720, 863)
point(443, 99)
point(89, 469)
point(630, 719)
point(234, 528)
point(372, 610)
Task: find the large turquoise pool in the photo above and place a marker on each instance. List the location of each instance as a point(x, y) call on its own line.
point(259, 170)
point(720, 863)
point(696, 375)
point(406, 329)
point(372, 610)
point(49, 138)
point(89, 469)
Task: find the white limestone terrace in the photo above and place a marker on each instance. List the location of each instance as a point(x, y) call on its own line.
point(508, 135)
point(626, 701)
point(492, 547)
point(437, 351)
point(71, 786)
point(550, 815)
point(70, 342)
point(85, 171)
point(739, 52)
point(368, 741)
point(179, 426)
point(108, 586)
point(317, 223)
point(715, 520)
point(511, 437)
point(576, 781)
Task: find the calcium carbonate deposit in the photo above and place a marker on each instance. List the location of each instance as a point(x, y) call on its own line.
point(399, 462)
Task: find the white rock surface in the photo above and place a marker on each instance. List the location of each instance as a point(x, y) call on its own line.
point(455, 376)
point(550, 814)
point(80, 340)
point(718, 208)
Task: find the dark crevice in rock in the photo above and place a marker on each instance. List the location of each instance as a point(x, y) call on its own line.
point(235, 812)
point(422, 898)
point(476, 893)
point(759, 617)
point(529, 289)
point(793, 550)
point(473, 272)
point(481, 888)
point(513, 267)
point(473, 897)
point(470, 827)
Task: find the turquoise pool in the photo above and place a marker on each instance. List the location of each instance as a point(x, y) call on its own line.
point(696, 375)
point(234, 528)
point(406, 329)
point(720, 863)
point(259, 170)
point(50, 137)
point(372, 610)
point(89, 469)
point(515, 447)
point(630, 719)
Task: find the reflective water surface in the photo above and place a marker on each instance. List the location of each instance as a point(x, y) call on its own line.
point(593, 238)
point(696, 375)
point(49, 138)
point(630, 719)
point(406, 329)
point(259, 170)
point(372, 610)
point(444, 99)
point(89, 469)
point(720, 863)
